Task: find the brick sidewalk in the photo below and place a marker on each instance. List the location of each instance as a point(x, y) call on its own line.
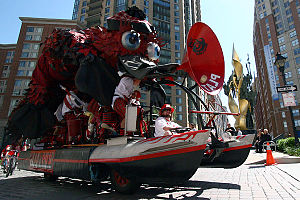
point(250, 181)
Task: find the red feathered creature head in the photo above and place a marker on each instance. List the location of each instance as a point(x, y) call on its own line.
point(128, 33)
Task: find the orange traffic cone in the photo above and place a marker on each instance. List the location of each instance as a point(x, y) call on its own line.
point(270, 160)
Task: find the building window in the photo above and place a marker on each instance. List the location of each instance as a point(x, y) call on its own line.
point(277, 18)
point(168, 89)
point(168, 99)
point(146, 3)
point(84, 3)
point(295, 113)
point(282, 48)
point(176, 20)
point(177, 46)
point(24, 54)
point(285, 124)
point(82, 10)
point(288, 75)
point(291, 27)
point(133, 2)
point(283, 114)
point(178, 108)
point(290, 82)
point(21, 73)
point(293, 34)
point(176, 7)
point(177, 36)
point(298, 70)
point(281, 40)
point(106, 10)
point(176, 13)
point(296, 51)
point(82, 18)
point(177, 54)
point(288, 11)
point(295, 42)
point(297, 122)
point(279, 25)
point(30, 29)
point(108, 2)
point(37, 38)
point(176, 27)
point(179, 100)
point(290, 19)
point(178, 92)
point(18, 83)
point(261, 15)
point(179, 117)
point(146, 10)
point(286, 4)
point(286, 65)
point(276, 10)
point(28, 37)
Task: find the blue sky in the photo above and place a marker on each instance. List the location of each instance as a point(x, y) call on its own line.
point(10, 23)
point(231, 20)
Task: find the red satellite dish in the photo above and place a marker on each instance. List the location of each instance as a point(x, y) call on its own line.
point(204, 60)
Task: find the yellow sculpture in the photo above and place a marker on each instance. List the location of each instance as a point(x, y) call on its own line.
point(237, 80)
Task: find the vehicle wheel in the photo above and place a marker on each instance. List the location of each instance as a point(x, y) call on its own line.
point(9, 168)
point(50, 177)
point(122, 184)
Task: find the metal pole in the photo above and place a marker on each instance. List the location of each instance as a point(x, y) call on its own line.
point(281, 69)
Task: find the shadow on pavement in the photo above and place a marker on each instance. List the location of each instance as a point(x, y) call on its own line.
point(36, 187)
point(278, 161)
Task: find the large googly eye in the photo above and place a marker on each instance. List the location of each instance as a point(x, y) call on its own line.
point(153, 51)
point(131, 40)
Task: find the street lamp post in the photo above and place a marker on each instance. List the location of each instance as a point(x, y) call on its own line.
point(280, 63)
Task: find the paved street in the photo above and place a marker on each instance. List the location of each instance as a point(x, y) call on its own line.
point(250, 181)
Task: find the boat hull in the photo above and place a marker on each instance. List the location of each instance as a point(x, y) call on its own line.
point(230, 157)
point(170, 159)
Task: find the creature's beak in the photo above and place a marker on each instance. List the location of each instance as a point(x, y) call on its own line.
point(135, 66)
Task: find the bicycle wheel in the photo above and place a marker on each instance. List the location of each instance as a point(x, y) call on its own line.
point(8, 167)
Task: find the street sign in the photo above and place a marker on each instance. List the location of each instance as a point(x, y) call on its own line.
point(287, 88)
point(288, 99)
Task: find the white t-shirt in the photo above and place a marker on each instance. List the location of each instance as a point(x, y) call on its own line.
point(125, 88)
point(73, 101)
point(160, 123)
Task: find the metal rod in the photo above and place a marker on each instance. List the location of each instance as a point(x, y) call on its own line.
point(213, 112)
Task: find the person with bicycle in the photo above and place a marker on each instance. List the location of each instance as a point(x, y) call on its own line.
point(164, 124)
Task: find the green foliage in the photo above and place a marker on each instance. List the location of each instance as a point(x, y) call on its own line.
point(288, 146)
point(280, 145)
point(292, 151)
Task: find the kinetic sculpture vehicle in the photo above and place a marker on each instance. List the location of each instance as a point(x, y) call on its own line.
point(86, 142)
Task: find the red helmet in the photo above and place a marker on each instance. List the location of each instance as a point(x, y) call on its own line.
point(165, 107)
point(8, 147)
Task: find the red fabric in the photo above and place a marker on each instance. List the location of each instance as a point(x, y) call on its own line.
point(93, 106)
point(120, 107)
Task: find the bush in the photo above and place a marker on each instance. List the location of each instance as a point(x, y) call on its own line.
point(280, 145)
point(288, 146)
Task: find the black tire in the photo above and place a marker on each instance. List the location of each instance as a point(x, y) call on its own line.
point(50, 177)
point(122, 184)
point(9, 168)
